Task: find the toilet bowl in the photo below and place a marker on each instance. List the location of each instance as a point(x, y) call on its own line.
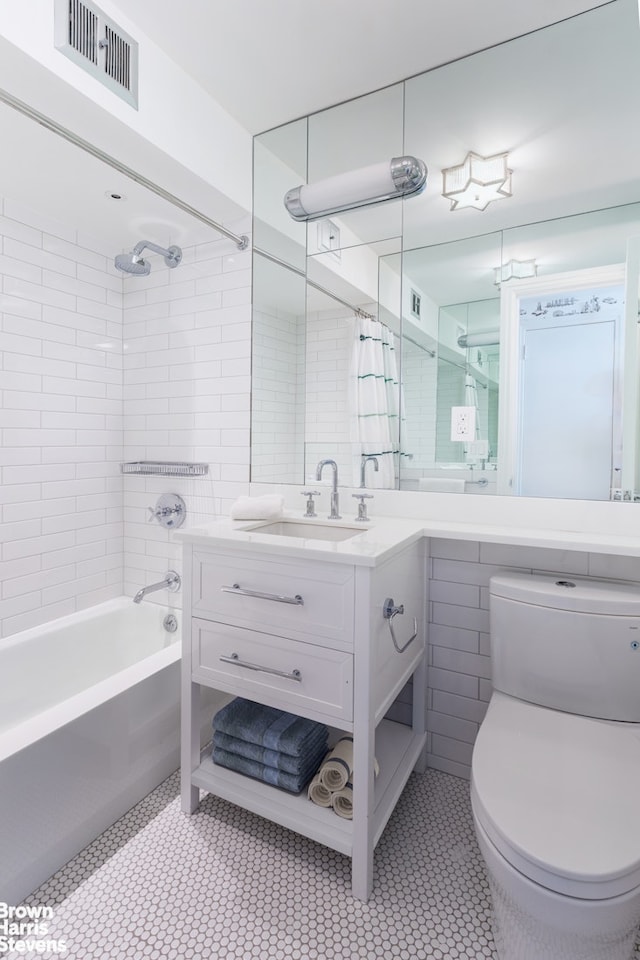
point(555, 789)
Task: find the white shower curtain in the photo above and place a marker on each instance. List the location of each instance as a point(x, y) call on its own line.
point(375, 398)
point(471, 400)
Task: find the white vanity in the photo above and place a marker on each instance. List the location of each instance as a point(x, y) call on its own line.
point(296, 620)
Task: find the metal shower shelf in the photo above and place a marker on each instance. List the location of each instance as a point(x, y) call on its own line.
point(165, 468)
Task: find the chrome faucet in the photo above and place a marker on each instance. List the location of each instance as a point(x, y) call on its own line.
point(334, 515)
point(171, 582)
point(365, 461)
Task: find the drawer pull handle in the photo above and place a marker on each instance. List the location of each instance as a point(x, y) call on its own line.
point(242, 592)
point(234, 658)
point(389, 611)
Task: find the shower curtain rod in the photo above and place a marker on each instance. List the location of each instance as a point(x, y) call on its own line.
point(312, 283)
point(44, 121)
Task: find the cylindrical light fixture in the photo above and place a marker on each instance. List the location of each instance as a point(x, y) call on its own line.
point(486, 339)
point(388, 180)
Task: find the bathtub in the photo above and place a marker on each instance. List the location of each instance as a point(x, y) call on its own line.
point(89, 725)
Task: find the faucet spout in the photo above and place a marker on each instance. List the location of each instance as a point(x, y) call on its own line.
point(171, 582)
point(365, 461)
point(334, 514)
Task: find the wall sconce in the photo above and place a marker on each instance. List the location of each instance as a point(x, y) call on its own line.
point(515, 270)
point(477, 182)
point(389, 180)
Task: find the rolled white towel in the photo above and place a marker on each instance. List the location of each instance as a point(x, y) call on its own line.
point(342, 802)
point(337, 769)
point(267, 507)
point(318, 793)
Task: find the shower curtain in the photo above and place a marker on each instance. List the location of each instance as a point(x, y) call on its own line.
point(375, 402)
point(471, 400)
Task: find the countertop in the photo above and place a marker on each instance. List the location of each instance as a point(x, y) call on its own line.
point(383, 536)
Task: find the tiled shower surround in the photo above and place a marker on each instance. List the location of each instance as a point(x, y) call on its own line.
point(97, 368)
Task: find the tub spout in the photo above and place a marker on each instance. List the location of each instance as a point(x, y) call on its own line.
point(171, 582)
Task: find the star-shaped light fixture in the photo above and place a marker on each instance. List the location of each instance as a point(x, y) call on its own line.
point(477, 182)
point(515, 270)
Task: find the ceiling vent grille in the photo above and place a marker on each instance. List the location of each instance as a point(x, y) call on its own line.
point(84, 34)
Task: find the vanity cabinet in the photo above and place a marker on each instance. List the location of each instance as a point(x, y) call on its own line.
point(308, 635)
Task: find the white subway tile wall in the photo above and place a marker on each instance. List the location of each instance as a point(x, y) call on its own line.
point(97, 369)
point(61, 421)
point(187, 386)
point(459, 674)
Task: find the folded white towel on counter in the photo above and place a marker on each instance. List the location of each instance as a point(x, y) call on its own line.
point(441, 484)
point(267, 507)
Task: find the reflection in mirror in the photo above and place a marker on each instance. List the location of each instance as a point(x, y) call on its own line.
point(561, 388)
point(279, 161)
point(565, 152)
point(278, 373)
point(475, 376)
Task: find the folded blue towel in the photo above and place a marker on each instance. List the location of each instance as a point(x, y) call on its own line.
point(299, 766)
point(270, 728)
point(293, 783)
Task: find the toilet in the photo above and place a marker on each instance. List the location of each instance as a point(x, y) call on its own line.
point(555, 777)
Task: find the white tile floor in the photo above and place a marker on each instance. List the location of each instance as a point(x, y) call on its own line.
point(226, 884)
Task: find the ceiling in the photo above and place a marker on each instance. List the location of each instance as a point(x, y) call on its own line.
point(263, 74)
point(269, 61)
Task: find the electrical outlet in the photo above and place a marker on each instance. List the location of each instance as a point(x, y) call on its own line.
point(463, 423)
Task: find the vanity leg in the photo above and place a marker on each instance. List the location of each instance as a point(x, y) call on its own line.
point(419, 712)
point(190, 745)
point(363, 807)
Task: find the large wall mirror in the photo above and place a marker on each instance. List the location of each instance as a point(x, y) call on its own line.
point(502, 343)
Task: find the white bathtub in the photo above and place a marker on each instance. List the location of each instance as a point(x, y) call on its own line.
point(89, 724)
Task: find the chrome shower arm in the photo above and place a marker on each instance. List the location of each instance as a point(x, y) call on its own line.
point(172, 255)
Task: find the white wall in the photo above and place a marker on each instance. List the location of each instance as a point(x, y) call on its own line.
point(61, 420)
point(175, 135)
point(459, 673)
point(97, 370)
point(187, 381)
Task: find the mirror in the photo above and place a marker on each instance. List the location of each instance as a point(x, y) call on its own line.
point(439, 280)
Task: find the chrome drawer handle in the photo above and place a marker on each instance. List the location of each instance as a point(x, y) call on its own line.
point(234, 658)
point(242, 592)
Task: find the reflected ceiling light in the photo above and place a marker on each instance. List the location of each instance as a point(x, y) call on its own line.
point(477, 182)
point(486, 339)
point(389, 180)
point(515, 270)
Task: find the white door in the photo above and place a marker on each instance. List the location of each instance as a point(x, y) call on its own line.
point(567, 411)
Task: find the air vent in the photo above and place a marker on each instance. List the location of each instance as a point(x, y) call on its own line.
point(85, 34)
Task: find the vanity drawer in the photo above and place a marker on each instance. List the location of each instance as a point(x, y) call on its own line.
point(297, 677)
point(303, 600)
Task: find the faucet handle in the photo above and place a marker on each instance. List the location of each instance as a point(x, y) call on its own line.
point(362, 507)
point(311, 507)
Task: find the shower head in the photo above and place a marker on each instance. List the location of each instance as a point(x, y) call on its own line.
point(129, 263)
point(135, 264)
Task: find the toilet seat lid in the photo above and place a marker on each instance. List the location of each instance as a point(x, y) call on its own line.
point(558, 795)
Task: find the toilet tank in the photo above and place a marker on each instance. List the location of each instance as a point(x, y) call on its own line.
point(569, 643)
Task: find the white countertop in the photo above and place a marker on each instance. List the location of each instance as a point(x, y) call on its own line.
point(383, 536)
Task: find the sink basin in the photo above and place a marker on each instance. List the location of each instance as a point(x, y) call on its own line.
point(306, 531)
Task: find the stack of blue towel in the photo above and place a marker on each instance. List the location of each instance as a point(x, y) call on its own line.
point(268, 744)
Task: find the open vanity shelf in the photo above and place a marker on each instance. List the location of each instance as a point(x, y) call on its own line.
point(316, 630)
point(397, 752)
